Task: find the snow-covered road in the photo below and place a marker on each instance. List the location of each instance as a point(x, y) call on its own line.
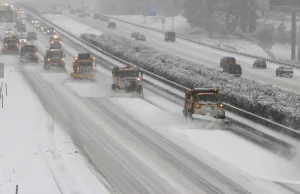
point(132, 150)
point(139, 146)
point(190, 51)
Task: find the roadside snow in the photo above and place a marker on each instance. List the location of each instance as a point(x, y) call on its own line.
point(35, 153)
point(70, 25)
point(21, 119)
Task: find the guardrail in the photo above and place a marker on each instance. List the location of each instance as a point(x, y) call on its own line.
point(278, 62)
point(263, 121)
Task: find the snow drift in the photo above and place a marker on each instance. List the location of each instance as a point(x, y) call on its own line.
point(260, 99)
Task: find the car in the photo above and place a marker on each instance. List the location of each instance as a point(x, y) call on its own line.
point(28, 53)
point(104, 18)
point(140, 37)
point(40, 25)
point(285, 71)
point(34, 21)
point(260, 63)
point(51, 31)
point(23, 40)
point(170, 36)
point(134, 34)
point(9, 32)
point(112, 25)
point(97, 16)
point(31, 36)
point(227, 60)
point(44, 29)
point(234, 69)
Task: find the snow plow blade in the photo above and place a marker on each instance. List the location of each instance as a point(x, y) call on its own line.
point(82, 76)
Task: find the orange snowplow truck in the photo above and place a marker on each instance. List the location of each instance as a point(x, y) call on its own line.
point(11, 45)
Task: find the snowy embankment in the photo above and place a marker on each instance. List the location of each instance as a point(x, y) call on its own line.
point(36, 154)
point(70, 25)
point(260, 99)
point(181, 27)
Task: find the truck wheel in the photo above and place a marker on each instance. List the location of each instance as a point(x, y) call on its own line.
point(190, 115)
point(185, 112)
point(113, 86)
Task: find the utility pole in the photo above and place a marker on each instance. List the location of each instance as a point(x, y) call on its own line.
point(293, 37)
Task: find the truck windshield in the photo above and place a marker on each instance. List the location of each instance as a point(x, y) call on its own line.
point(28, 49)
point(129, 74)
point(55, 54)
point(11, 41)
point(85, 63)
point(207, 98)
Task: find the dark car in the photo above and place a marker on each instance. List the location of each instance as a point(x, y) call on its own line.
point(170, 36)
point(234, 69)
point(97, 16)
point(28, 53)
point(112, 25)
point(134, 34)
point(31, 36)
point(140, 37)
point(227, 60)
point(50, 31)
point(262, 64)
point(284, 71)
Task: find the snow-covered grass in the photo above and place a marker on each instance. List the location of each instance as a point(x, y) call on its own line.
point(36, 154)
point(260, 99)
point(181, 27)
point(21, 119)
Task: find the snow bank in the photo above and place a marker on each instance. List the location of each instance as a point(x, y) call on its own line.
point(260, 99)
point(70, 25)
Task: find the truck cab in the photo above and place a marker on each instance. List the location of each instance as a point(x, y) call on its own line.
point(203, 101)
point(10, 45)
point(84, 66)
point(54, 58)
point(56, 44)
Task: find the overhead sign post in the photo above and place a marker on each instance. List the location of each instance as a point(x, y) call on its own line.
point(7, 14)
point(1, 70)
point(290, 6)
point(163, 21)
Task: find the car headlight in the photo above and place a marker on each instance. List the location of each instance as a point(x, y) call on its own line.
point(62, 59)
point(198, 106)
point(48, 59)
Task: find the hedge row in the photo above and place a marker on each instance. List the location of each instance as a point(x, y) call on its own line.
point(260, 99)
